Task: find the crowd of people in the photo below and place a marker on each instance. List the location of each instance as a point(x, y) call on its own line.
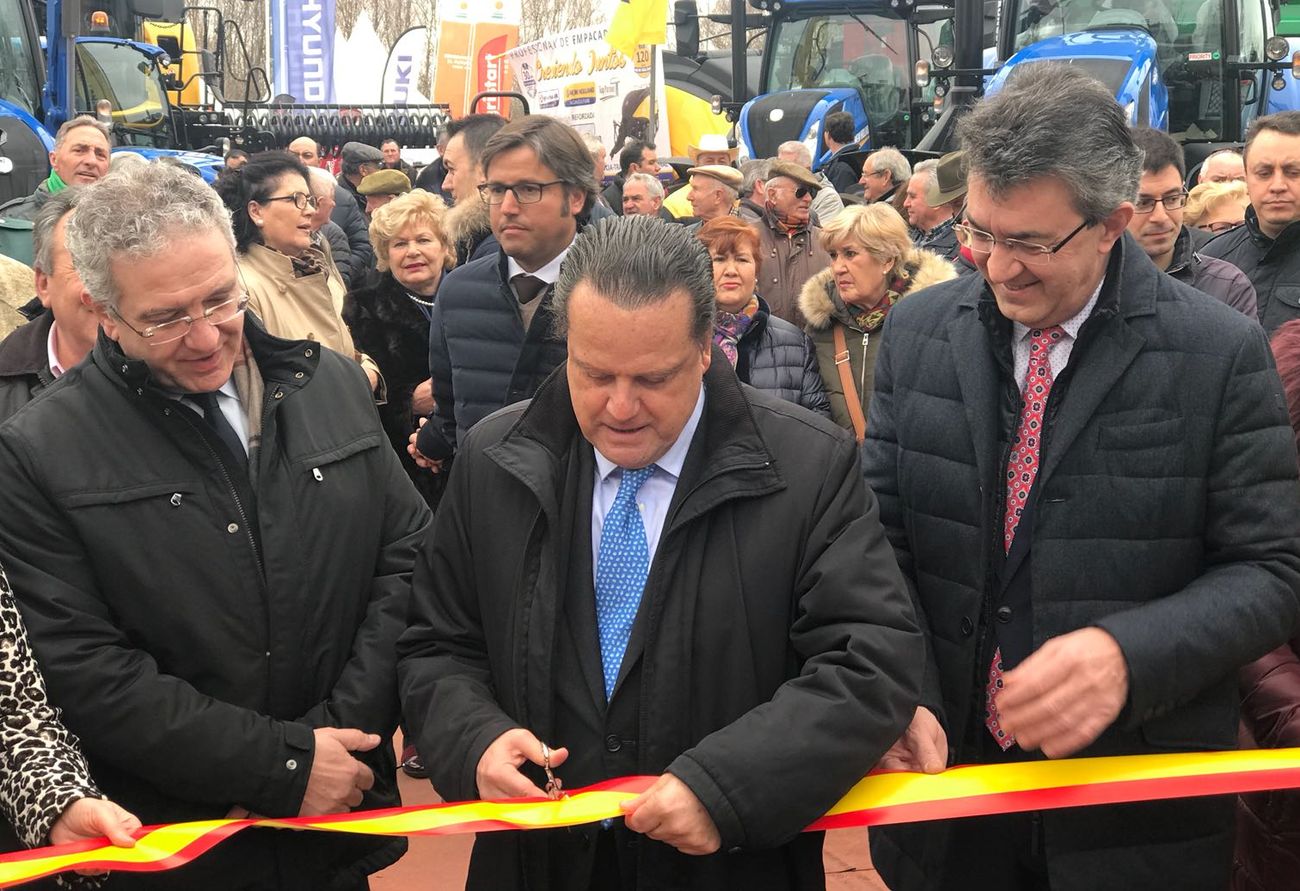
point(754, 484)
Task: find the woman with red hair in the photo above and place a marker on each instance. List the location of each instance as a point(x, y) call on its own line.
point(768, 353)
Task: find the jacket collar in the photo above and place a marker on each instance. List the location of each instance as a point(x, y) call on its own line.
point(1288, 239)
point(279, 361)
point(26, 350)
point(728, 457)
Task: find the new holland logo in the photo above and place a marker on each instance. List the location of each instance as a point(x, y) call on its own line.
point(583, 93)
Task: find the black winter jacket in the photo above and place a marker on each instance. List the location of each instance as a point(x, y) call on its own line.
point(195, 624)
point(340, 252)
point(1166, 512)
point(480, 357)
point(775, 661)
point(839, 171)
point(25, 364)
point(353, 222)
point(775, 356)
point(1218, 278)
point(1272, 265)
point(391, 328)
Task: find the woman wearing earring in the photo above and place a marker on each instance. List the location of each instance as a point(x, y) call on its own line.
point(873, 266)
point(293, 285)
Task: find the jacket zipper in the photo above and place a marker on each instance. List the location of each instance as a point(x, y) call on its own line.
point(862, 371)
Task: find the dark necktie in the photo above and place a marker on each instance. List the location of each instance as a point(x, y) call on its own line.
point(1022, 470)
point(527, 287)
point(215, 418)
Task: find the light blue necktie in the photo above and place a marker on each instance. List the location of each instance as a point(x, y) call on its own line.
point(621, 570)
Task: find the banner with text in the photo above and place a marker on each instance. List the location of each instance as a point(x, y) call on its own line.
point(305, 49)
point(576, 77)
point(473, 40)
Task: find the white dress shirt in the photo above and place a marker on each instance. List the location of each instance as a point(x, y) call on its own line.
point(655, 494)
point(228, 402)
point(1058, 353)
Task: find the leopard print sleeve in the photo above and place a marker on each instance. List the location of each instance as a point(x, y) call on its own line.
point(42, 770)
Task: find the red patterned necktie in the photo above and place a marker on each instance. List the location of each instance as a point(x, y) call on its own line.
point(1022, 468)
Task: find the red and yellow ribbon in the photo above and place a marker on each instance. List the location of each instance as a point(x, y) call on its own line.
point(877, 800)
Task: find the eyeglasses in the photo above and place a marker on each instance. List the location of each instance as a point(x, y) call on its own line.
point(1146, 204)
point(167, 332)
point(525, 193)
point(1220, 226)
point(1026, 252)
point(877, 173)
point(301, 200)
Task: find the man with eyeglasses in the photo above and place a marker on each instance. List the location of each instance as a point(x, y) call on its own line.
point(789, 242)
point(1089, 478)
point(212, 543)
point(491, 338)
point(883, 172)
point(1157, 225)
point(1267, 246)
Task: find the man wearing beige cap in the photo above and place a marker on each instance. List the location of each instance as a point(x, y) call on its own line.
point(791, 249)
point(381, 187)
point(714, 191)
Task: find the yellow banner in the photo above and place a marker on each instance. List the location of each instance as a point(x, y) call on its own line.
point(638, 22)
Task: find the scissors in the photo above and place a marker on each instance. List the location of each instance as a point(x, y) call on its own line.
point(554, 785)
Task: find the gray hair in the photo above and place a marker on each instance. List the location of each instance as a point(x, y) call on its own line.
point(321, 181)
point(1053, 120)
point(82, 120)
point(799, 153)
point(638, 261)
point(653, 187)
point(926, 167)
point(56, 207)
point(754, 172)
point(890, 159)
point(136, 213)
point(594, 145)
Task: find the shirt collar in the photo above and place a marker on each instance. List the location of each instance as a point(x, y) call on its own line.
point(673, 459)
point(52, 355)
point(548, 273)
point(1072, 324)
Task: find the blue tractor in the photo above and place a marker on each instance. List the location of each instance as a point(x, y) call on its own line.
point(74, 68)
point(1200, 69)
point(855, 56)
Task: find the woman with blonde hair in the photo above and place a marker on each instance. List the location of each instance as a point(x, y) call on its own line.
point(1216, 207)
point(873, 266)
point(390, 319)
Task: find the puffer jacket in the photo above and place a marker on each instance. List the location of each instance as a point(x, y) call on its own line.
point(1218, 278)
point(340, 252)
point(823, 308)
point(775, 356)
point(469, 226)
point(1267, 856)
point(352, 221)
point(1271, 264)
point(480, 357)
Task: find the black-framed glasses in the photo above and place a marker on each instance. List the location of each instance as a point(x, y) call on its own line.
point(1146, 204)
point(301, 200)
point(1028, 252)
point(525, 193)
point(168, 332)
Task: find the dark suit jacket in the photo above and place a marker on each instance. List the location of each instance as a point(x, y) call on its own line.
point(1165, 512)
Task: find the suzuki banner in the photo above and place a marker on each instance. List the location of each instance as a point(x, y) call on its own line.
point(473, 40)
point(576, 77)
point(304, 64)
point(405, 60)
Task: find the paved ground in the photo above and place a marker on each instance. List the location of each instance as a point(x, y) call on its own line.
point(434, 864)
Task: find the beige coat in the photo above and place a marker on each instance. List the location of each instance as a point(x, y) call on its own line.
point(821, 305)
point(306, 308)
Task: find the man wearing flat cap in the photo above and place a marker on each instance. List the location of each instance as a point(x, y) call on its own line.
point(359, 161)
point(791, 247)
point(714, 190)
point(381, 187)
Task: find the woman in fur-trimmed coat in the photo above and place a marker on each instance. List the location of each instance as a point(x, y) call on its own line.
point(873, 266)
point(390, 320)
